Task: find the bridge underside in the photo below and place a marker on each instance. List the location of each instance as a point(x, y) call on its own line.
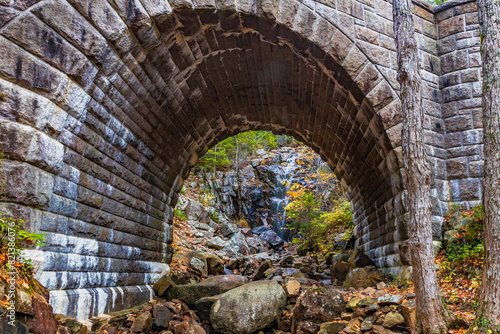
point(104, 108)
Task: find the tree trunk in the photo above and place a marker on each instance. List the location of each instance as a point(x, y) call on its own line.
point(432, 316)
point(488, 312)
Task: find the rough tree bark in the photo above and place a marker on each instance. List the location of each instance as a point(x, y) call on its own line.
point(488, 313)
point(432, 316)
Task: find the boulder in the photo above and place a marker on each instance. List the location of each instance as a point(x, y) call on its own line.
point(161, 315)
point(258, 244)
point(271, 238)
point(228, 228)
point(248, 308)
point(143, 323)
point(259, 273)
point(393, 319)
point(197, 263)
point(389, 299)
point(215, 243)
point(362, 277)
point(196, 211)
point(214, 265)
point(456, 221)
point(261, 229)
point(317, 305)
point(292, 287)
point(238, 240)
point(339, 271)
point(334, 327)
point(227, 282)
point(162, 285)
point(190, 293)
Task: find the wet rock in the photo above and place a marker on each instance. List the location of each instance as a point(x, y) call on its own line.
point(214, 265)
point(227, 282)
point(389, 299)
point(362, 277)
point(292, 287)
point(393, 319)
point(190, 293)
point(317, 305)
point(248, 308)
point(333, 327)
point(216, 243)
point(271, 238)
point(233, 264)
point(143, 323)
point(259, 273)
point(162, 285)
point(161, 315)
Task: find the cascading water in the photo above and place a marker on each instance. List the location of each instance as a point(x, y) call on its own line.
point(285, 164)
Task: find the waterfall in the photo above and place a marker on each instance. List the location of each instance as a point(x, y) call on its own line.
point(285, 164)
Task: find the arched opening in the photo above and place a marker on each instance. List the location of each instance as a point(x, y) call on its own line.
point(145, 93)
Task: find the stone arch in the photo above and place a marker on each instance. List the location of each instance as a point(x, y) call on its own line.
point(105, 105)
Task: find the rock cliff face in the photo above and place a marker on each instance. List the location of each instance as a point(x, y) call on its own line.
point(257, 191)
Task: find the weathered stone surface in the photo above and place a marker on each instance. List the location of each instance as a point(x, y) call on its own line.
point(190, 293)
point(163, 284)
point(143, 323)
point(317, 305)
point(362, 277)
point(393, 319)
point(248, 308)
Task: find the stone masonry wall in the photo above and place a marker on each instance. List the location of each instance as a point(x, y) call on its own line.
point(105, 106)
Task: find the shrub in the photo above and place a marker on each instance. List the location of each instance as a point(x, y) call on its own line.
point(179, 214)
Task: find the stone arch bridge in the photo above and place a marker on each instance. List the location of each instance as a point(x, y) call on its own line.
point(105, 106)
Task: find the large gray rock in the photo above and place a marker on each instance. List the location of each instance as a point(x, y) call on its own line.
point(216, 243)
point(228, 228)
point(271, 238)
point(238, 240)
point(196, 211)
point(316, 306)
point(248, 308)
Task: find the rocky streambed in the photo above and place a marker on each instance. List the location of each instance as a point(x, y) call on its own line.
point(229, 279)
